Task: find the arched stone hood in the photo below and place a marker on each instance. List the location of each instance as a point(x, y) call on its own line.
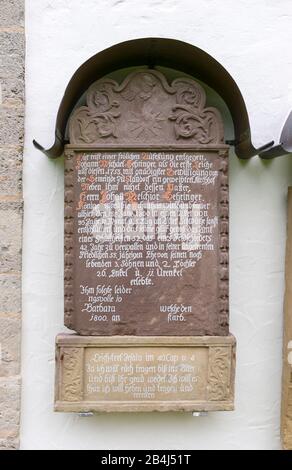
point(177, 55)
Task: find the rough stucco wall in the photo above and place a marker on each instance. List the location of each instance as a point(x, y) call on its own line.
point(251, 39)
point(11, 147)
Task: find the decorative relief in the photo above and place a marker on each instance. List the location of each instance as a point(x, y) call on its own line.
point(224, 242)
point(201, 385)
point(145, 109)
point(72, 370)
point(97, 119)
point(191, 119)
point(68, 239)
point(146, 125)
point(219, 374)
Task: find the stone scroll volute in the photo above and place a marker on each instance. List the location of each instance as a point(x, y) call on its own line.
point(145, 109)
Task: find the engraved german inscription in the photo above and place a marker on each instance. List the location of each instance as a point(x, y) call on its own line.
point(147, 233)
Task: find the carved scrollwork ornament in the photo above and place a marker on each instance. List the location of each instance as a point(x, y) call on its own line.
point(219, 374)
point(144, 108)
point(68, 239)
point(97, 119)
point(72, 379)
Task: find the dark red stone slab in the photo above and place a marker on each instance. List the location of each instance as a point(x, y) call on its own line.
point(126, 276)
point(146, 211)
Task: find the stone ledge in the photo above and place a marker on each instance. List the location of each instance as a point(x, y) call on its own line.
point(144, 373)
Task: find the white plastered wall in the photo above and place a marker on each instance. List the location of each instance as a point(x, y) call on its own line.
point(252, 39)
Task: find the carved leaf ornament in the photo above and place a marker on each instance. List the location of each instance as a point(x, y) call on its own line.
point(145, 109)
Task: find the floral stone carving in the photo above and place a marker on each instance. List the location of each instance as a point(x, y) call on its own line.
point(144, 108)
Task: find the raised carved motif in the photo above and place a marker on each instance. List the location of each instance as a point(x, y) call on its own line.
point(104, 388)
point(97, 119)
point(72, 370)
point(224, 244)
point(191, 119)
point(145, 109)
point(68, 242)
point(219, 374)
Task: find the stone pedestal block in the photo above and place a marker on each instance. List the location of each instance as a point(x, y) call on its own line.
point(128, 373)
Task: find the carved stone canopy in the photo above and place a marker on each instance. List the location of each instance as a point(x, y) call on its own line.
point(145, 110)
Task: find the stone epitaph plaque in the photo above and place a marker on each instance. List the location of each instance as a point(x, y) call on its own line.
point(148, 249)
point(144, 373)
point(146, 227)
point(146, 252)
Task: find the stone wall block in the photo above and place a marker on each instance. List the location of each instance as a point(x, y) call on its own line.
point(11, 125)
point(9, 411)
point(10, 236)
point(11, 13)
point(10, 171)
point(10, 338)
point(10, 293)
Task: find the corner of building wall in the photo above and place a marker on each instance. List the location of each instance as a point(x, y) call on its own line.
point(12, 55)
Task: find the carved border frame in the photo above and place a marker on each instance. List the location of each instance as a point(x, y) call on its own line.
point(70, 153)
point(70, 349)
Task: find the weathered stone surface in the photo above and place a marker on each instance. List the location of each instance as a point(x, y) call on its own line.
point(12, 69)
point(11, 124)
point(12, 92)
point(11, 66)
point(144, 373)
point(10, 293)
point(10, 331)
point(12, 43)
point(9, 410)
point(10, 236)
point(12, 54)
point(144, 109)
point(9, 444)
point(10, 171)
point(183, 289)
point(12, 13)
point(169, 274)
